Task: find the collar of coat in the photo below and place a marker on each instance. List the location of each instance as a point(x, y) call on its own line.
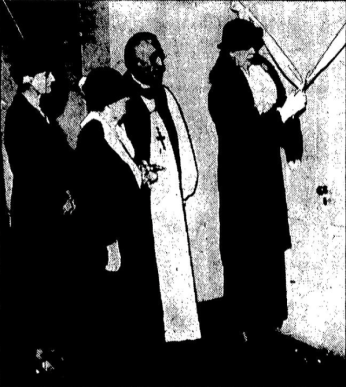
point(226, 72)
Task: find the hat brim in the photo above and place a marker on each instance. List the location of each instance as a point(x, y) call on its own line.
point(257, 44)
point(239, 35)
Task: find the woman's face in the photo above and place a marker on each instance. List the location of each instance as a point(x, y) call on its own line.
point(42, 82)
point(243, 57)
point(114, 112)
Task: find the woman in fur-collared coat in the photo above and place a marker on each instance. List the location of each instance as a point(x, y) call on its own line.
point(253, 119)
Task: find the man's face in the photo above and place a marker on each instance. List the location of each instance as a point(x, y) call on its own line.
point(149, 66)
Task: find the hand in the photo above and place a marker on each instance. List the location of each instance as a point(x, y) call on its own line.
point(300, 101)
point(149, 173)
point(294, 104)
point(69, 206)
point(294, 165)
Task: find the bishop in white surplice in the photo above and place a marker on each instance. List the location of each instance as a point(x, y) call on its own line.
point(155, 125)
point(169, 225)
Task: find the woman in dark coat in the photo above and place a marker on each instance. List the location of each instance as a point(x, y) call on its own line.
point(39, 157)
point(253, 119)
point(122, 311)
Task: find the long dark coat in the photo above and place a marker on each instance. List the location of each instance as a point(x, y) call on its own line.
point(254, 229)
point(35, 272)
point(111, 207)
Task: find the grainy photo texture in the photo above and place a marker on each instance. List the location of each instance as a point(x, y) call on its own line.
point(172, 193)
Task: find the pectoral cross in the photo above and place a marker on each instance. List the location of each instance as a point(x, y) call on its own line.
point(160, 138)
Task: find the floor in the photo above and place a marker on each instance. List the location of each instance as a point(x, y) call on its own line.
point(316, 284)
point(286, 363)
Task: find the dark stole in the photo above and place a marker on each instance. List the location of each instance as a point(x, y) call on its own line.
point(137, 119)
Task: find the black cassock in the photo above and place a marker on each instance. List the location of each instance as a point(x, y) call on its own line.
point(254, 229)
point(35, 273)
point(120, 311)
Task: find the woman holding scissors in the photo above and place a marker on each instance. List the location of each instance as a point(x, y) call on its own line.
point(253, 119)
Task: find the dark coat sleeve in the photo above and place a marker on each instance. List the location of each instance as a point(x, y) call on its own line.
point(292, 140)
point(101, 185)
point(38, 157)
point(27, 142)
point(232, 110)
point(238, 122)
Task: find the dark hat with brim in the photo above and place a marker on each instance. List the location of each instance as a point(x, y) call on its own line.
point(239, 34)
point(103, 87)
point(31, 59)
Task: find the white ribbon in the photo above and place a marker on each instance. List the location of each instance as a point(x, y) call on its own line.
point(333, 50)
point(281, 60)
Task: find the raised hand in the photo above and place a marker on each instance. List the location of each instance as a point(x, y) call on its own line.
point(294, 104)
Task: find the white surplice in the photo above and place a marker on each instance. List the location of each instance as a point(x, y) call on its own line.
point(169, 225)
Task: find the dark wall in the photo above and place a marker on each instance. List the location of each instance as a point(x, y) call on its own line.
point(53, 24)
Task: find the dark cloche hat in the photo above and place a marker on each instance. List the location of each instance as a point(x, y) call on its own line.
point(239, 34)
point(32, 58)
point(103, 87)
